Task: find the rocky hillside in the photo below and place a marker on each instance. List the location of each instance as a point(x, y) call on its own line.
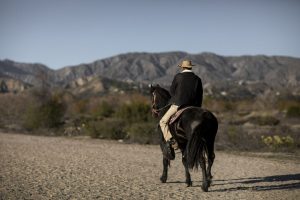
point(12, 85)
point(243, 75)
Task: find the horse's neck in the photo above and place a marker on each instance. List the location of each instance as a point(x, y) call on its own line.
point(165, 109)
point(166, 105)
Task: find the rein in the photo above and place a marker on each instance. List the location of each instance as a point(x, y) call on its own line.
point(156, 111)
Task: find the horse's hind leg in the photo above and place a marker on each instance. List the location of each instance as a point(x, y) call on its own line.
point(164, 175)
point(210, 159)
point(205, 183)
point(188, 180)
point(210, 154)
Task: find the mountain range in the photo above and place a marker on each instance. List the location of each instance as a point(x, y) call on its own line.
point(239, 76)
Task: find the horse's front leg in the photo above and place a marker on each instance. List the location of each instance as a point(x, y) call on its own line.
point(164, 175)
point(188, 180)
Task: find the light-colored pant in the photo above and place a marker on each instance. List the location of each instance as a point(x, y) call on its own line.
point(163, 123)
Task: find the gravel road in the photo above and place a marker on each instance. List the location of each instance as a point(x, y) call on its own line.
point(36, 167)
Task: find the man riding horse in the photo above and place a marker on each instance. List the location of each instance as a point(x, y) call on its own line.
point(186, 90)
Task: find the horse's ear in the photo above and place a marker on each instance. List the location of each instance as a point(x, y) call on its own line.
point(157, 85)
point(151, 87)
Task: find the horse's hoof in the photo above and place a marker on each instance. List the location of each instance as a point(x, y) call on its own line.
point(209, 182)
point(189, 184)
point(204, 188)
point(163, 179)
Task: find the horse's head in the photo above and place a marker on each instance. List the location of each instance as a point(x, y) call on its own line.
point(159, 98)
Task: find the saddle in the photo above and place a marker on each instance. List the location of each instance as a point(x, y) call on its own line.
point(174, 125)
point(177, 115)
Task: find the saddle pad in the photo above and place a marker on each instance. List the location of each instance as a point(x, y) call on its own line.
point(178, 113)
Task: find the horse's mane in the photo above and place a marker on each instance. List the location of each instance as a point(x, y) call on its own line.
point(163, 92)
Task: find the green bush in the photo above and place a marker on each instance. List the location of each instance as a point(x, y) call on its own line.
point(134, 112)
point(232, 133)
point(47, 113)
point(80, 106)
point(275, 142)
point(293, 111)
point(104, 109)
point(32, 118)
point(143, 133)
point(3, 87)
point(108, 128)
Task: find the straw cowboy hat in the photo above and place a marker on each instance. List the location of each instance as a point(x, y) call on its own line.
point(186, 64)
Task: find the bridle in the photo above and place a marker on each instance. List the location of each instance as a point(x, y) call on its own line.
point(156, 111)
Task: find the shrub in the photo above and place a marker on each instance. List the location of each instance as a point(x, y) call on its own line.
point(32, 118)
point(293, 111)
point(134, 112)
point(236, 138)
point(232, 133)
point(104, 109)
point(45, 113)
point(217, 105)
point(144, 133)
point(108, 128)
point(80, 106)
point(12, 107)
point(275, 142)
point(264, 120)
point(3, 87)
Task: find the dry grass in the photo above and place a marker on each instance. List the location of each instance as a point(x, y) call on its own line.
point(242, 123)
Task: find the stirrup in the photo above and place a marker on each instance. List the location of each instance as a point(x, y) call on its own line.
point(173, 143)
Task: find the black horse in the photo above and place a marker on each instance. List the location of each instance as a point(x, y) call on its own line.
point(195, 131)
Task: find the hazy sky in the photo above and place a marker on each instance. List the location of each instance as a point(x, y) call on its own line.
point(60, 33)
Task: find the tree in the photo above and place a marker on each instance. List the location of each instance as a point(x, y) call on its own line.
point(3, 87)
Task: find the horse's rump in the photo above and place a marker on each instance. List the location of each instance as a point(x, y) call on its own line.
point(190, 120)
point(195, 130)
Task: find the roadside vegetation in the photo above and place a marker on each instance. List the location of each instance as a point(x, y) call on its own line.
point(244, 124)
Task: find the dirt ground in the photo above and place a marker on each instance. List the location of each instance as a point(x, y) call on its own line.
point(36, 167)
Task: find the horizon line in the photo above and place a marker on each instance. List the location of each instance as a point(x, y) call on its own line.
point(142, 52)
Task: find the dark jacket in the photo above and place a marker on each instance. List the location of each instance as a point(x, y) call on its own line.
point(186, 90)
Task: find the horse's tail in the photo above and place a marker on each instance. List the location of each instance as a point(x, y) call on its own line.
point(196, 147)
